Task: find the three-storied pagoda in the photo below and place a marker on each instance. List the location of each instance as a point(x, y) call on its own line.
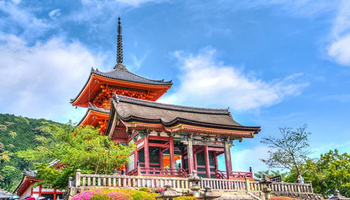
point(122, 105)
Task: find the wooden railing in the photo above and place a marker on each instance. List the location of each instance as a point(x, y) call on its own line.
point(110, 181)
point(152, 171)
point(234, 174)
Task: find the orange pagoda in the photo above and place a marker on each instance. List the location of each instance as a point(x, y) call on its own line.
point(100, 87)
point(171, 140)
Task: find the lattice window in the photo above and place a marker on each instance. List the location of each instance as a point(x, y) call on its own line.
point(142, 156)
point(211, 158)
point(153, 154)
point(200, 158)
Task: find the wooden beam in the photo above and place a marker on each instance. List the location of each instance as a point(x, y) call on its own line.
point(158, 145)
point(159, 138)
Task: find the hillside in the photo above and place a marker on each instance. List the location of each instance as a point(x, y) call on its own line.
point(17, 133)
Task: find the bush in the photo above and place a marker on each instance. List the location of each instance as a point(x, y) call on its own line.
point(145, 189)
point(115, 194)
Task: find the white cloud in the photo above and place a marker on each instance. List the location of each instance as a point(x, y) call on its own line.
point(39, 80)
point(339, 45)
point(137, 62)
point(207, 82)
point(19, 20)
point(242, 159)
point(54, 13)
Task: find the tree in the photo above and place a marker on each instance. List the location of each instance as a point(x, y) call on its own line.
point(330, 172)
point(74, 148)
point(289, 152)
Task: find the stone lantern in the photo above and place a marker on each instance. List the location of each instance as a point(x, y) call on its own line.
point(194, 179)
point(208, 194)
point(168, 193)
point(337, 196)
point(265, 183)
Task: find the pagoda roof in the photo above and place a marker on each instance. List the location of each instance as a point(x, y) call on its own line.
point(121, 77)
point(93, 108)
point(131, 110)
point(121, 73)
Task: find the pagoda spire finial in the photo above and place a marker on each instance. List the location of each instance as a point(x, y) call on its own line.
point(119, 46)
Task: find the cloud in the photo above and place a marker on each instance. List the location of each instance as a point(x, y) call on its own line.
point(41, 79)
point(22, 22)
point(242, 159)
point(137, 62)
point(207, 82)
point(54, 13)
point(339, 44)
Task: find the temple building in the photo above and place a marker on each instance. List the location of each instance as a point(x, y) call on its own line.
point(171, 140)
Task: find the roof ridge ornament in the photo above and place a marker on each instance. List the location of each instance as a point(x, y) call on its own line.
point(119, 47)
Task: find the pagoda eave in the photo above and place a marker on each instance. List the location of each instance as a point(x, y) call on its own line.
point(98, 84)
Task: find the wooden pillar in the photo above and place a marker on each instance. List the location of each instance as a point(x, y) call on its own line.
point(195, 161)
point(40, 190)
point(183, 158)
point(161, 160)
point(228, 161)
point(171, 152)
point(54, 193)
point(136, 158)
point(216, 161)
point(146, 150)
point(190, 155)
point(206, 157)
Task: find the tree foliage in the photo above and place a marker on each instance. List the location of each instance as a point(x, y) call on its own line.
point(329, 172)
point(288, 152)
point(75, 148)
point(16, 134)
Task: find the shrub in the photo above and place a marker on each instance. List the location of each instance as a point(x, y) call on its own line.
point(145, 189)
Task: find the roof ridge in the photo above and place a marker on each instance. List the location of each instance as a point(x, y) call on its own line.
point(120, 98)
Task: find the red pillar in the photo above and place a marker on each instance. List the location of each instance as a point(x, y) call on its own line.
point(216, 161)
point(171, 151)
point(161, 160)
point(206, 157)
point(54, 194)
point(228, 161)
point(146, 150)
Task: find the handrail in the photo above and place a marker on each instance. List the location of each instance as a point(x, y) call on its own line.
point(116, 180)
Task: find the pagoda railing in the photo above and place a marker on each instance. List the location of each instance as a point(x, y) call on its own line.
point(153, 171)
point(88, 181)
point(219, 174)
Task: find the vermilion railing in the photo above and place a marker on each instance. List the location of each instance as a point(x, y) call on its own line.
point(153, 171)
point(233, 175)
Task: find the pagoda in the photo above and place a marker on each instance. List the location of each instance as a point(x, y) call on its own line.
point(100, 86)
point(170, 140)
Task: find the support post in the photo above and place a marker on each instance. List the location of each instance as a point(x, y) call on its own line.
point(228, 161)
point(146, 150)
point(136, 159)
point(161, 159)
point(206, 157)
point(190, 155)
point(171, 152)
point(77, 178)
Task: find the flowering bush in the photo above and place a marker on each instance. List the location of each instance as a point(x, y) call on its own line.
point(160, 190)
point(114, 194)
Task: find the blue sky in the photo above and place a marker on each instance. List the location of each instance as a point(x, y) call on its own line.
point(275, 63)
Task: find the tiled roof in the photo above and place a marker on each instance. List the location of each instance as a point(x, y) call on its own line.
point(95, 108)
point(123, 74)
point(131, 109)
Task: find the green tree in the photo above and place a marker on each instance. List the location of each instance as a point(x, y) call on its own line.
point(288, 152)
point(75, 148)
point(330, 172)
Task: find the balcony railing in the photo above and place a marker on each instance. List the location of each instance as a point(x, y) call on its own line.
point(87, 181)
point(153, 171)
